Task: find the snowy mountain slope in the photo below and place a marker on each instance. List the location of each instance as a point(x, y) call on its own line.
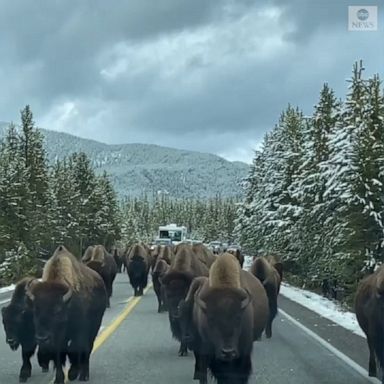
point(146, 168)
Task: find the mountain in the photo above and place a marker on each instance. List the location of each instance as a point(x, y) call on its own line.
point(146, 168)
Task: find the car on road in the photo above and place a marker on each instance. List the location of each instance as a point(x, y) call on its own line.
point(234, 247)
point(216, 247)
point(162, 242)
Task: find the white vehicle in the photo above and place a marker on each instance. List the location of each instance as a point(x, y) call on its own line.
point(176, 234)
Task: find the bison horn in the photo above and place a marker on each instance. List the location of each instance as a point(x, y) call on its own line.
point(246, 301)
point(202, 304)
point(67, 295)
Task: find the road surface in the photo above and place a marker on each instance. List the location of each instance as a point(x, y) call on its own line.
point(141, 349)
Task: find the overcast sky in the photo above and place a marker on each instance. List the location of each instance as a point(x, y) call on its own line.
point(204, 75)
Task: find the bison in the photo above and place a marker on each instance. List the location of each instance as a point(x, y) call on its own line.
point(204, 254)
point(97, 258)
point(118, 255)
point(185, 266)
point(369, 307)
point(68, 306)
point(228, 311)
point(138, 263)
point(269, 272)
point(19, 330)
point(159, 271)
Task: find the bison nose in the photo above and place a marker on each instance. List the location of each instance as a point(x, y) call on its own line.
point(42, 339)
point(228, 353)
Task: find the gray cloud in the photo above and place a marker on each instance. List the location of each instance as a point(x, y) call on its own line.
point(203, 75)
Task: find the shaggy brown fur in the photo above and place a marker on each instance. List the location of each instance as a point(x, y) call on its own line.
point(166, 253)
point(63, 267)
point(229, 292)
point(88, 254)
point(159, 271)
point(271, 280)
point(185, 266)
point(78, 293)
point(225, 273)
point(20, 331)
point(369, 307)
point(105, 265)
point(138, 265)
point(204, 254)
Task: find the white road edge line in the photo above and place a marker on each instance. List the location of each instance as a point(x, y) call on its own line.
point(358, 368)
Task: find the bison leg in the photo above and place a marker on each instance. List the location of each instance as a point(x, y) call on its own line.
point(203, 369)
point(59, 363)
point(74, 359)
point(84, 366)
point(272, 299)
point(183, 350)
point(43, 358)
point(26, 368)
point(372, 371)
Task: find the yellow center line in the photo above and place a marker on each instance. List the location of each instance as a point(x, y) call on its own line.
point(111, 328)
point(108, 331)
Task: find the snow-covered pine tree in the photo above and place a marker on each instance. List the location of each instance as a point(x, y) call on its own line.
point(348, 198)
point(309, 186)
point(15, 196)
point(35, 161)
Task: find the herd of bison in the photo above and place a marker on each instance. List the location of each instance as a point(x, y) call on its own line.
point(216, 308)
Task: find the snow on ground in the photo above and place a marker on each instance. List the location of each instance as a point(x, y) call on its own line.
point(329, 309)
point(10, 288)
point(323, 306)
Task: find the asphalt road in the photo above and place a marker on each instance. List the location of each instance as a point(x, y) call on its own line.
point(141, 350)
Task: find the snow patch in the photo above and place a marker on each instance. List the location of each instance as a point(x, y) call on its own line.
point(322, 306)
point(10, 288)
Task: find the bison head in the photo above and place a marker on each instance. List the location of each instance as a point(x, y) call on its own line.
point(13, 321)
point(50, 303)
point(226, 321)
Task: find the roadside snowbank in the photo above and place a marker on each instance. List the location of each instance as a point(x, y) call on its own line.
point(324, 307)
point(10, 288)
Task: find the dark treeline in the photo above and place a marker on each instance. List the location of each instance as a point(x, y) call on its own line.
point(44, 205)
point(211, 219)
point(314, 195)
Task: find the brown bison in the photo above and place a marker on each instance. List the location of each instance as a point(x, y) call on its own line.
point(227, 313)
point(19, 330)
point(97, 258)
point(158, 273)
point(68, 306)
point(118, 255)
point(237, 253)
point(138, 263)
point(270, 273)
point(184, 268)
point(369, 307)
point(155, 252)
point(204, 254)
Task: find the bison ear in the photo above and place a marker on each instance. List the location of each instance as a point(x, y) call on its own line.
point(29, 288)
point(67, 296)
